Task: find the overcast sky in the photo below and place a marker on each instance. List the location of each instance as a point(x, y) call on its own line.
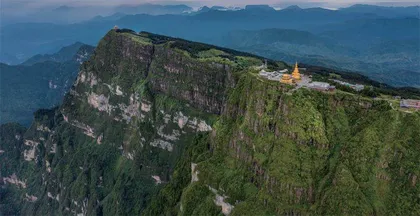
point(309, 3)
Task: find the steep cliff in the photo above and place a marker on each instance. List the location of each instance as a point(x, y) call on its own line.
point(162, 126)
point(136, 103)
point(306, 153)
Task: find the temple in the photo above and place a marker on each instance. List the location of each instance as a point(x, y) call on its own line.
point(290, 79)
point(286, 79)
point(296, 74)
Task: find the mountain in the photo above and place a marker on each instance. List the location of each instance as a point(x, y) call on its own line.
point(222, 8)
point(198, 26)
point(113, 17)
point(356, 32)
point(206, 9)
point(391, 12)
point(268, 36)
point(373, 31)
point(49, 14)
point(293, 8)
point(153, 9)
point(64, 54)
point(259, 8)
point(387, 60)
point(19, 12)
point(156, 125)
point(41, 82)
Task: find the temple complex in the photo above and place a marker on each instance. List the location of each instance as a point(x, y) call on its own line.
point(283, 77)
point(286, 79)
point(290, 79)
point(295, 73)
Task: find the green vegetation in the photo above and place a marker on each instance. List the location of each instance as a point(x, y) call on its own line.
point(211, 53)
point(161, 132)
point(40, 82)
point(376, 88)
point(134, 37)
point(248, 61)
point(307, 153)
point(378, 57)
point(193, 48)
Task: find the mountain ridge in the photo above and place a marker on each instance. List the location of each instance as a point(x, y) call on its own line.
point(209, 27)
point(64, 54)
point(41, 82)
point(156, 125)
point(383, 60)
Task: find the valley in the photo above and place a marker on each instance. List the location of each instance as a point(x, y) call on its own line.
point(40, 82)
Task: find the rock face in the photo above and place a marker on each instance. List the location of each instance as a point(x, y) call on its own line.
point(316, 153)
point(178, 76)
point(203, 84)
point(135, 106)
point(161, 126)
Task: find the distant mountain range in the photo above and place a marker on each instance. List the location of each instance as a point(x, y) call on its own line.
point(64, 54)
point(349, 37)
point(72, 14)
point(40, 82)
point(388, 60)
point(390, 12)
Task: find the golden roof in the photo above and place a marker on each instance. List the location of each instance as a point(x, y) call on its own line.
point(286, 78)
point(296, 74)
point(296, 70)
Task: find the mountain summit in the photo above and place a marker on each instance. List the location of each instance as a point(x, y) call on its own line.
point(156, 125)
point(259, 8)
point(293, 7)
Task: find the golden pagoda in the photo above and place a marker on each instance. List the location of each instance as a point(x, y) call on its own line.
point(296, 74)
point(286, 79)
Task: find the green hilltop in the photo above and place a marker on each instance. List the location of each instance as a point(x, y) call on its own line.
point(156, 125)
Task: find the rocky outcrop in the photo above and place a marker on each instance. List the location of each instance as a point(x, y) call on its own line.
point(148, 111)
point(29, 154)
point(130, 114)
point(13, 179)
point(202, 84)
point(306, 150)
point(219, 200)
point(194, 172)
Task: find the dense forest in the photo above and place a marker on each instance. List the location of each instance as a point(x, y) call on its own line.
point(155, 125)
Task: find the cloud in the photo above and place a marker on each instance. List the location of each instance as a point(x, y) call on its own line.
point(21, 4)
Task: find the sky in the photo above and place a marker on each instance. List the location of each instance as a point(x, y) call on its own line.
point(197, 3)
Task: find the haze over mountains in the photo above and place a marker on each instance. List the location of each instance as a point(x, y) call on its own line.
point(104, 120)
point(381, 42)
point(390, 61)
point(71, 14)
point(40, 82)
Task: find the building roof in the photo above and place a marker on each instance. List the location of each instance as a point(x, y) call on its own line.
point(319, 85)
point(410, 103)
